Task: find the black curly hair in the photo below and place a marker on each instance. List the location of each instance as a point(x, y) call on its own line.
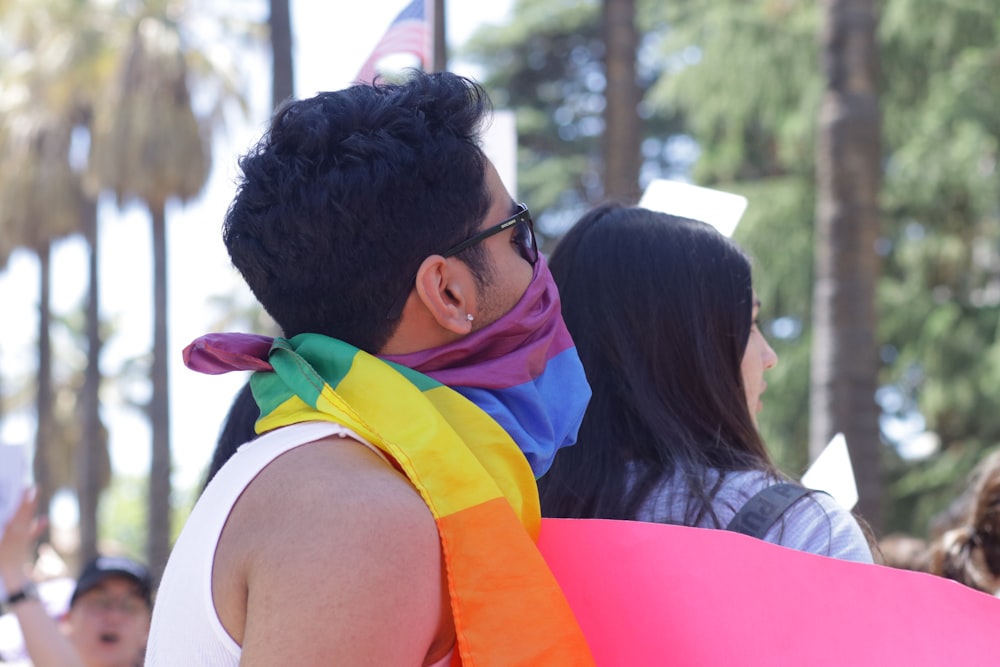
point(349, 191)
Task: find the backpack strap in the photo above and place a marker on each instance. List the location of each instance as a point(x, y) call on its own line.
point(765, 507)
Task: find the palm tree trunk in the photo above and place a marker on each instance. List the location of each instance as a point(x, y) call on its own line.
point(88, 468)
point(279, 22)
point(45, 428)
point(159, 409)
point(623, 127)
point(844, 356)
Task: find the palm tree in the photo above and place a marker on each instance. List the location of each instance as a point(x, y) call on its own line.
point(90, 57)
point(844, 360)
point(67, 66)
point(149, 145)
point(42, 197)
point(93, 446)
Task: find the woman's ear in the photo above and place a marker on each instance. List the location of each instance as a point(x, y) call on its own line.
point(447, 289)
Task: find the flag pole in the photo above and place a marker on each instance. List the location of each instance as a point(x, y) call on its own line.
point(439, 57)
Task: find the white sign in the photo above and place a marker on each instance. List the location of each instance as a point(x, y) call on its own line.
point(722, 210)
point(500, 146)
point(832, 472)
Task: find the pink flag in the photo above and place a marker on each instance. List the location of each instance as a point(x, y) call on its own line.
point(651, 594)
point(410, 32)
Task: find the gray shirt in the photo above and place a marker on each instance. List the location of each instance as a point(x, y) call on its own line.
point(815, 523)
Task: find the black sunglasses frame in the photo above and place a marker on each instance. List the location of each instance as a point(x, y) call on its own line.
point(523, 215)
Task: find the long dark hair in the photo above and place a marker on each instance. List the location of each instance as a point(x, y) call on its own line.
point(661, 309)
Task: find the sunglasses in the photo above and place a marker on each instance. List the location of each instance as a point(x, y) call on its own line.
point(523, 239)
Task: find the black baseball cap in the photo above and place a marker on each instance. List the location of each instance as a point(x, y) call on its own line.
point(103, 567)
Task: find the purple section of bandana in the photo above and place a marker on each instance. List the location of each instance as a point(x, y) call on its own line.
point(218, 353)
point(511, 351)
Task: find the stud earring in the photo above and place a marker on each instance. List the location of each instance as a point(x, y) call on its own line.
point(469, 317)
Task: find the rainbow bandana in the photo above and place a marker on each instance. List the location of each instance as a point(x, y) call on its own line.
point(508, 608)
point(522, 369)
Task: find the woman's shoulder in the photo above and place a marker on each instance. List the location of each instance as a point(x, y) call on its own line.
point(670, 500)
point(818, 524)
point(815, 523)
point(744, 484)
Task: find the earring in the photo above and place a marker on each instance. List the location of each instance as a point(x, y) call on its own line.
point(469, 317)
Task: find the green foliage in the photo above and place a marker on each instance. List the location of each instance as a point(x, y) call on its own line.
point(923, 490)
point(940, 295)
point(122, 516)
point(547, 65)
point(940, 291)
point(122, 522)
point(746, 75)
point(777, 232)
point(743, 79)
point(746, 80)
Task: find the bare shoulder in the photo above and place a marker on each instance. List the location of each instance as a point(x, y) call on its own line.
point(330, 545)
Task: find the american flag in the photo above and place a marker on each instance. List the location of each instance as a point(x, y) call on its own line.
point(409, 32)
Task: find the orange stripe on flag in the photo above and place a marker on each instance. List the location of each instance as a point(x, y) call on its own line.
point(512, 612)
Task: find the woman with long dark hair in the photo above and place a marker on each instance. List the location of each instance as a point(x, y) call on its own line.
point(663, 313)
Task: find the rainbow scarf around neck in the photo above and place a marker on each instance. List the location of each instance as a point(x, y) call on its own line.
point(507, 607)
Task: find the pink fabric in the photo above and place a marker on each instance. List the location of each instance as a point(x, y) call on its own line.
point(511, 351)
point(648, 594)
point(218, 353)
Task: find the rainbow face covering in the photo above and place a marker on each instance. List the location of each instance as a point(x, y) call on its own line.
point(522, 370)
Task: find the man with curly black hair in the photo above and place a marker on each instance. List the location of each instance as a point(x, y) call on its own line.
point(387, 511)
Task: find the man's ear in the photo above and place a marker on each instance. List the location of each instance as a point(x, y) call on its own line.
point(447, 289)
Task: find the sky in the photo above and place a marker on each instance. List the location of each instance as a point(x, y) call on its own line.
point(329, 48)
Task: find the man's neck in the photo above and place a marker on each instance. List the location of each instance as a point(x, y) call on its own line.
point(417, 331)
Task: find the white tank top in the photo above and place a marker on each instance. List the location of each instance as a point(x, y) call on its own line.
point(185, 628)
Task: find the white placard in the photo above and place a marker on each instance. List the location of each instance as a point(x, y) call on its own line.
point(722, 210)
point(832, 472)
point(500, 146)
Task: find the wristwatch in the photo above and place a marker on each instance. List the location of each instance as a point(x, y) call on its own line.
point(27, 592)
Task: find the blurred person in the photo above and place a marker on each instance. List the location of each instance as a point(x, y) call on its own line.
point(904, 552)
point(969, 552)
point(664, 316)
point(387, 512)
point(109, 613)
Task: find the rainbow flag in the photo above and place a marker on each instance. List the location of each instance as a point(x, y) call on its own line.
point(507, 606)
point(522, 369)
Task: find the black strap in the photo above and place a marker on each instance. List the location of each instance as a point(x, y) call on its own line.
point(765, 507)
point(27, 592)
